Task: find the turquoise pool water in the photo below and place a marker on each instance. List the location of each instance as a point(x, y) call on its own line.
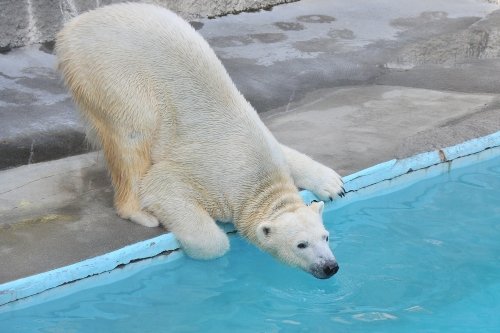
point(422, 259)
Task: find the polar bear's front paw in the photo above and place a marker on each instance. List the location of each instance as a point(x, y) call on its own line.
point(326, 184)
point(205, 247)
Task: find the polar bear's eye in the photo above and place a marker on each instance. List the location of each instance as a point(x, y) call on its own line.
point(326, 238)
point(302, 245)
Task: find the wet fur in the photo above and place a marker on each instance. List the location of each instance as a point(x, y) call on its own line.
point(182, 145)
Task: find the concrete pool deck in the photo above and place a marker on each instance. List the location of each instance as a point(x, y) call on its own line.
point(349, 83)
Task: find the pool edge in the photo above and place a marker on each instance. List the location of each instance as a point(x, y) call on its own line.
point(378, 174)
point(35, 284)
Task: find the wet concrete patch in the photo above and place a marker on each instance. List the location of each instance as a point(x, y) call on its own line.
point(232, 41)
point(318, 45)
point(47, 218)
point(90, 185)
point(341, 33)
point(48, 47)
point(315, 18)
point(96, 178)
point(423, 19)
point(5, 49)
point(14, 96)
point(49, 82)
point(197, 25)
point(476, 75)
point(72, 209)
point(289, 26)
point(269, 38)
point(33, 72)
point(41, 147)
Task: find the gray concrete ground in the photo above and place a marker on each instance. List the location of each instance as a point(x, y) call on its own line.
point(351, 83)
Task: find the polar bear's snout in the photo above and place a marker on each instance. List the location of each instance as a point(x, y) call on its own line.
point(325, 270)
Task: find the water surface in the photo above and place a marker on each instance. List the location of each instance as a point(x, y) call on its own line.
point(423, 259)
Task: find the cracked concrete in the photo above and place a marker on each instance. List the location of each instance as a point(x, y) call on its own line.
point(351, 83)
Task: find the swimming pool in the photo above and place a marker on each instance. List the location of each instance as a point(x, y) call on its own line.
point(425, 258)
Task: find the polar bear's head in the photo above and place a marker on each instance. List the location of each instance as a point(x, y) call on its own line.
point(300, 239)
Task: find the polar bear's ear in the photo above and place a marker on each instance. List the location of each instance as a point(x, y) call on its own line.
point(318, 206)
point(264, 231)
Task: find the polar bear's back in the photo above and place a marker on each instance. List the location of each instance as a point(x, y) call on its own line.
point(145, 52)
point(146, 64)
point(146, 72)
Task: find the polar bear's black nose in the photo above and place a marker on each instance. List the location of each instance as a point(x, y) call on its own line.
point(325, 270)
point(330, 269)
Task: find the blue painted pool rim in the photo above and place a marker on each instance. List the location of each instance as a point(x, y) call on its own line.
point(384, 177)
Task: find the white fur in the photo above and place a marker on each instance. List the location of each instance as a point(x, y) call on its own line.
point(303, 226)
point(311, 175)
point(144, 78)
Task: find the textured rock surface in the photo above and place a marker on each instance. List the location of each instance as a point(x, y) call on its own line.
point(479, 40)
point(276, 58)
point(24, 22)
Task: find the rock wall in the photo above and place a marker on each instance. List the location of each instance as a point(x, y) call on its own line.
point(480, 40)
point(24, 22)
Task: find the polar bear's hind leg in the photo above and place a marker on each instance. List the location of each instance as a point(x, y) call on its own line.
point(127, 154)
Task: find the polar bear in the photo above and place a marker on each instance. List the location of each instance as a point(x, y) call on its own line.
point(183, 146)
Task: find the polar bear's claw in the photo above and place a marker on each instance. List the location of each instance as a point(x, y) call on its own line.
point(341, 194)
point(325, 183)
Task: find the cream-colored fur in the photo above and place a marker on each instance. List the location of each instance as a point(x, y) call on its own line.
point(182, 145)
